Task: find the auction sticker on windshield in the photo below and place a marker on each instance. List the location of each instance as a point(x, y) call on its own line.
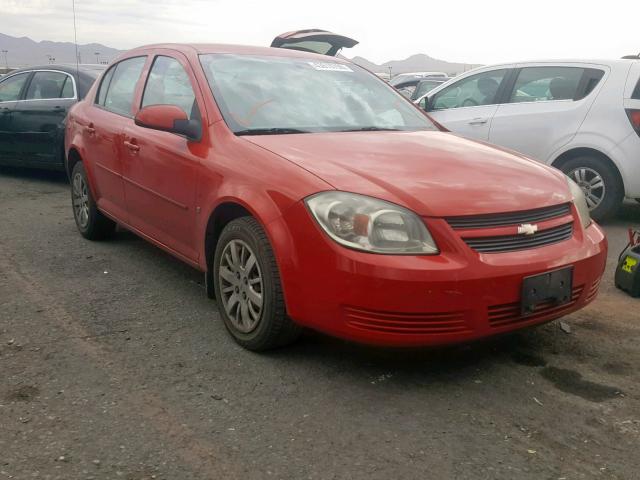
point(330, 66)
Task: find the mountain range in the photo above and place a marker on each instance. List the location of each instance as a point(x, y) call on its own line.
point(22, 51)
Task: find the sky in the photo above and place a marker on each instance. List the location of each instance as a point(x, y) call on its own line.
point(480, 31)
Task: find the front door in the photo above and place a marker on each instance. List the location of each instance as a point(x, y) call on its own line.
point(160, 168)
point(11, 90)
point(37, 121)
point(467, 107)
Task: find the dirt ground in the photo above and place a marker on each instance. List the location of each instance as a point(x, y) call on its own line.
point(114, 364)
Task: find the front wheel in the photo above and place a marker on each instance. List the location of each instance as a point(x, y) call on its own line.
point(91, 223)
point(599, 182)
point(248, 289)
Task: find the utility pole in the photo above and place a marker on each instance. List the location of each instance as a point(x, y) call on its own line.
point(97, 54)
point(6, 62)
point(389, 72)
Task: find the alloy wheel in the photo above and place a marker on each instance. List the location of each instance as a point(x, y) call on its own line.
point(241, 285)
point(80, 200)
point(591, 183)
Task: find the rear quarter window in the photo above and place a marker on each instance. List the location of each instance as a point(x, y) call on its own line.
point(636, 91)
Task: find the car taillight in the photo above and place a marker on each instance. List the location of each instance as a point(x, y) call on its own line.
point(634, 118)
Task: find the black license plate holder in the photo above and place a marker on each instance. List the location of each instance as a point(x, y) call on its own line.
point(554, 287)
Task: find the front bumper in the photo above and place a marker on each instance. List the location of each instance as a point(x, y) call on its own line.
point(456, 296)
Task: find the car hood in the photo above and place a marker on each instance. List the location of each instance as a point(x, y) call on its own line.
point(431, 173)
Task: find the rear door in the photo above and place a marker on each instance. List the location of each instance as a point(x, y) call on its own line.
point(11, 91)
point(315, 41)
point(467, 106)
point(544, 108)
point(160, 168)
point(37, 120)
point(104, 140)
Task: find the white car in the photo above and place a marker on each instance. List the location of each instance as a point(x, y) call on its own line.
point(582, 117)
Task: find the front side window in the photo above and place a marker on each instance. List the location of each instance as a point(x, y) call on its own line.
point(48, 85)
point(271, 95)
point(169, 84)
point(480, 89)
point(11, 87)
point(539, 84)
point(120, 90)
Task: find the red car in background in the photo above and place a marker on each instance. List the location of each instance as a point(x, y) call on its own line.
point(313, 194)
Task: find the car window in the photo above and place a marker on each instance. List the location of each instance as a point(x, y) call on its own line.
point(480, 89)
point(407, 91)
point(11, 87)
point(48, 85)
point(67, 88)
point(424, 87)
point(169, 84)
point(104, 86)
point(539, 84)
point(122, 85)
point(636, 91)
point(273, 94)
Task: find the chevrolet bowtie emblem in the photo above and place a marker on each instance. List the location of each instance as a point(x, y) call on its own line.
point(527, 229)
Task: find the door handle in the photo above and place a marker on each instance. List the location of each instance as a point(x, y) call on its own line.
point(5, 110)
point(58, 108)
point(478, 121)
point(132, 146)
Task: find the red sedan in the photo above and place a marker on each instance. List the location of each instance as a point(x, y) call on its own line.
point(314, 195)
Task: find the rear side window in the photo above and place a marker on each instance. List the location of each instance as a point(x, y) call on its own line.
point(118, 94)
point(104, 86)
point(539, 84)
point(636, 91)
point(49, 85)
point(11, 87)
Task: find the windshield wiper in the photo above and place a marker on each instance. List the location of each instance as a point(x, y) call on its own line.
point(370, 129)
point(270, 131)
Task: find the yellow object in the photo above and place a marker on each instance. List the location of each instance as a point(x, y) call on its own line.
point(629, 263)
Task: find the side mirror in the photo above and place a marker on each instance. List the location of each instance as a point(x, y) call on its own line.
point(425, 103)
point(168, 118)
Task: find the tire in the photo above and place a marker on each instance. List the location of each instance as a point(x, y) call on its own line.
point(91, 223)
point(612, 193)
point(238, 288)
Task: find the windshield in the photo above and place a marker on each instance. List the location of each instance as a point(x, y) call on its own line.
point(273, 95)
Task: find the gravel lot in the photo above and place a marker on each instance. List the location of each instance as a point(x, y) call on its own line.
point(115, 365)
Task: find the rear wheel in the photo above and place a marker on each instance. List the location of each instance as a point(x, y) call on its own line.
point(248, 289)
point(91, 223)
point(600, 183)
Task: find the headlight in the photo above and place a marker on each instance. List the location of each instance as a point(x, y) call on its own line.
point(369, 224)
point(580, 202)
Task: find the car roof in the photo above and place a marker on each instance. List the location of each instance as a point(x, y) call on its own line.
point(67, 68)
point(586, 61)
point(208, 48)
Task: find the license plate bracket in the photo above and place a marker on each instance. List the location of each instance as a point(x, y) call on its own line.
point(553, 287)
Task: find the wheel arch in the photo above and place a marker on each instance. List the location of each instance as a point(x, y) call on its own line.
point(572, 153)
point(223, 213)
point(72, 158)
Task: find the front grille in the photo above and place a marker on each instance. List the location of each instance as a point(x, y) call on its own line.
point(509, 313)
point(512, 218)
point(510, 243)
point(406, 323)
